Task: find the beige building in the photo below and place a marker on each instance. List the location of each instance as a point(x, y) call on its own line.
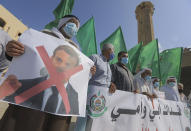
point(144, 12)
point(10, 24)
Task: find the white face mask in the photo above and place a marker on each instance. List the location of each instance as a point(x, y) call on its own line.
point(148, 78)
point(70, 29)
point(156, 84)
point(171, 84)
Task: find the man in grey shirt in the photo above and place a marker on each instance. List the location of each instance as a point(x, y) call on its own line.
point(102, 77)
point(4, 38)
point(121, 75)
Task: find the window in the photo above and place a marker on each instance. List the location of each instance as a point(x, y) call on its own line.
point(2, 23)
point(19, 34)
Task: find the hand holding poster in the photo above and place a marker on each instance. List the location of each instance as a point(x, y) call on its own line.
point(51, 76)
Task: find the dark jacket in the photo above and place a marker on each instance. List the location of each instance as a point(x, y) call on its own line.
point(36, 101)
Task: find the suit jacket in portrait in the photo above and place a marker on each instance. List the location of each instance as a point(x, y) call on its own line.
point(36, 101)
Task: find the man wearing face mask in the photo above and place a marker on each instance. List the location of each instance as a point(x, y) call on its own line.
point(171, 89)
point(102, 77)
point(156, 85)
point(33, 120)
point(121, 76)
point(155, 89)
point(183, 98)
point(66, 29)
point(142, 82)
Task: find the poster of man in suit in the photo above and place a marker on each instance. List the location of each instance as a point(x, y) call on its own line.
point(48, 77)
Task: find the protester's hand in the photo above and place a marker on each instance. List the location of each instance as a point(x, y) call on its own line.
point(14, 48)
point(9, 86)
point(155, 96)
point(149, 95)
point(112, 88)
point(136, 91)
point(93, 70)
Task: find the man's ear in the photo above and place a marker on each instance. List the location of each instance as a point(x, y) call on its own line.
point(119, 58)
point(143, 75)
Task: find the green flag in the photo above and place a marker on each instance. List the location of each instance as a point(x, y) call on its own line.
point(133, 56)
point(170, 63)
point(52, 24)
point(116, 38)
point(64, 8)
point(149, 58)
point(87, 38)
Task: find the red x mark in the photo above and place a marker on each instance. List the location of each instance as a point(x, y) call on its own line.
point(55, 78)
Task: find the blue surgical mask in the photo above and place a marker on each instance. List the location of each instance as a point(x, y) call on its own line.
point(111, 56)
point(70, 29)
point(124, 60)
point(148, 78)
point(156, 84)
point(171, 84)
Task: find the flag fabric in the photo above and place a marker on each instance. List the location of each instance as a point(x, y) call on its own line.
point(86, 37)
point(64, 8)
point(116, 38)
point(149, 58)
point(52, 24)
point(133, 56)
point(170, 63)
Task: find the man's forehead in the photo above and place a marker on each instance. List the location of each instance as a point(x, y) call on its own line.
point(62, 53)
point(112, 49)
point(73, 19)
point(171, 79)
point(156, 79)
point(148, 71)
point(180, 85)
point(125, 54)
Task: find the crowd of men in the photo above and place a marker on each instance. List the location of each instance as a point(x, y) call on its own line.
point(115, 77)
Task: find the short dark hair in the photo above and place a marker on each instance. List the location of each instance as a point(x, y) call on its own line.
point(69, 50)
point(121, 53)
point(71, 17)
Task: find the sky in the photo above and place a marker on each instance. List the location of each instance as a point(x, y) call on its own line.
point(171, 18)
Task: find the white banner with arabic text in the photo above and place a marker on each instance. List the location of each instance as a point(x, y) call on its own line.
point(124, 111)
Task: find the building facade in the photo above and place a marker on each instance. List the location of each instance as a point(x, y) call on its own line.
point(9, 23)
point(144, 12)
